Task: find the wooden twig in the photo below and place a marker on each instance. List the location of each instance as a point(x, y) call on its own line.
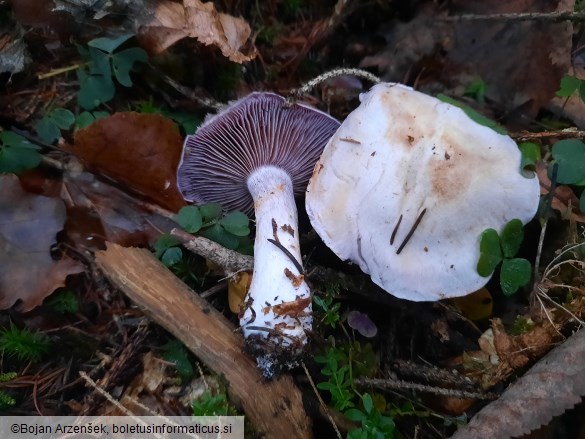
point(567, 133)
point(105, 394)
point(550, 17)
point(190, 93)
point(342, 71)
point(382, 383)
point(322, 404)
point(229, 260)
point(275, 408)
point(544, 223)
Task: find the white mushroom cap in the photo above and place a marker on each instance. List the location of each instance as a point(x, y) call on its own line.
point(402, 158)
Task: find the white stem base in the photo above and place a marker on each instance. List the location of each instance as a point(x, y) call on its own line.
point(278, 311)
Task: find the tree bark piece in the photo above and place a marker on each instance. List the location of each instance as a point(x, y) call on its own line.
point(275, 408)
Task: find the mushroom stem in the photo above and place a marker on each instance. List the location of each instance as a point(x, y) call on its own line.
point(278, 306)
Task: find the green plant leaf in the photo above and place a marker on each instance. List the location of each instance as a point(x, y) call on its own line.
point(100, 114)
point(17, 154)
point(490, 252)
point(236, 223)
point(123, 62)
point(164, 242)
point(49, 127)
point(109, 45)
point(64, 302)
point(355, 415)
point(94, 90)
point(511, 238)
point(63, 118)
point(326, 385)
point(171, 256)
point(514, 274)
point(187, 121)
point(209, 405)
point(210, 211)
point(176, 353)
point(476, 89)
point(47, 130)
point(23, 344)
point(569, 85)
point(582, 203)
point(84, 119)
point(472, 114)
point(582, 90)
point(570, 156)
point(530, 155)
point(367, 402)
point(99, 63)
point(218, 234)
point(189, 218)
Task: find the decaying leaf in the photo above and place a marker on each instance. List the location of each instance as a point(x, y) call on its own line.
point(556, 383)
point(140, 150)
point(518, 351)
point(531, 56)
point(565, 200)
point(99, 212)
point(28, 225)
point(194, 19)
point(475, 306)
point(238, 287)
point(96, 10)
point(13, 52)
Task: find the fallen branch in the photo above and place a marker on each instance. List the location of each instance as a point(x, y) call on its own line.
point(274, 408)
point(388, 383)
point(555, 384)
point(229, 260)
point(550, 17)
point(567, 133)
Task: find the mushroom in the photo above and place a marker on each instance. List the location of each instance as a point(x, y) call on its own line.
point(257, 154)
point(407, 185)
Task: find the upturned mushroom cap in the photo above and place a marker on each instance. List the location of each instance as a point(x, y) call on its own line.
point(404, 163)
point(257, 130)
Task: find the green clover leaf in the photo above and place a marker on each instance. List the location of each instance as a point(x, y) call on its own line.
point(109, 45)
point(189, 218)
point(49, 127)
point(236, 223)
point(490, 253)
point(123, 61)
point(514, 274)
point(569, 84)
point(511, 238)
point(17, 154)
point(530, 155)
point(570, 156)
point(218, 234)
point(210, 211)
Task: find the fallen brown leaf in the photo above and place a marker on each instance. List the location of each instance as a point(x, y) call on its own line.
point(194, 19)
point(28, 225)
point(139, 150)
point(517, 351)
point(565, 200)
point(556, 383)
point(97, 212)
point(521, 63)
